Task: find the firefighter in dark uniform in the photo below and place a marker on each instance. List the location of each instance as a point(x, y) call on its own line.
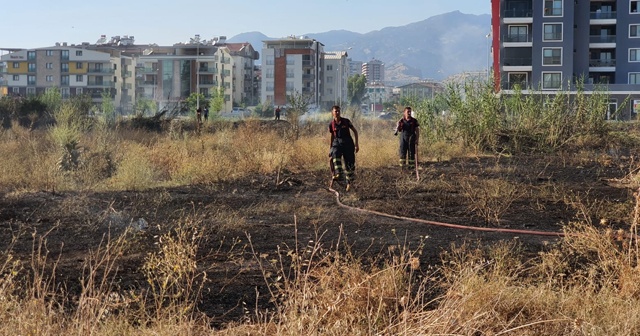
point(343, 146)
point(409, 135)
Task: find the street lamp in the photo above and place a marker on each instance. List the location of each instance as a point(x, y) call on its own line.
point(488, 36)
point(197, 39)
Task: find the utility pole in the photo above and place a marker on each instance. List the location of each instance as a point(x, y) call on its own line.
point(197, 39)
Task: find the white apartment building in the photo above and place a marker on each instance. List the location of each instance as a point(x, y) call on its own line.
point(336, 73)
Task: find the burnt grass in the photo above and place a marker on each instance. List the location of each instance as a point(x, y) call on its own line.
point(298, 208)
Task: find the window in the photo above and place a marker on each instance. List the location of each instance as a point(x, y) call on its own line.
point(552, 32)
point(79, 78)
point(290, 86)
point(64, 54)
point(16, 65)
point(32, 67)
point(269, 73)
point(31, 91)
point(330, 79)
point(64, 92)
point(551, 56)
point(64, 80)
point(634, 30)
point(291, 60)
point(634, 78)
point(270, 61)
point(269, 86)
point(64, 67)
point(31, 55)
point(330, 67)
point(633, 6)
point(78, 52)
point(31, 80)
point(49, 78)
point(49, 65)
point(16, 77)
point(552, 7)
point(78, 91)
point(16, 90)
point(518, 34)
point(551, 80)
point(634, 55)
point(78, 65)
point(330, 91)
point(49, 52)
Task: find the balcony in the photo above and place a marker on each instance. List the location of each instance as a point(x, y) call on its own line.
point(147, 70)
point(602, 63)
point(208, 70)
point(101, 70)
point(513, 38)
point(600, 15)
point(308, 77)
point(103, 84)
point(515, 85)
point(518, 13)
point(308, 63)
point(517, 61)
point(602, 39)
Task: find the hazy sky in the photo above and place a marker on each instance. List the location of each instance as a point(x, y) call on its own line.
point(41, 23)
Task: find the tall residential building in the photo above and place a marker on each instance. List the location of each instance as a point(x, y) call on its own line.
point(336, 73)
point(170, 74)
point(551, 45)
point(243, 81)
point(373, 71)
point(73, 69)
point(292, 64)
point(355, 67)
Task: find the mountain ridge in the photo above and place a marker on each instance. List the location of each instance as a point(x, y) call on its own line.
point(434, 48)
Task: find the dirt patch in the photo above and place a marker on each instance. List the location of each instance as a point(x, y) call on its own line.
point(538, 193)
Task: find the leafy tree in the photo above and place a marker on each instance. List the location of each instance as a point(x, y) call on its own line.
point(51, 98)
point(191, 103)
point(298, 105)
point(217, 99)
point(356, 86)
point(108, 109)
point(144, 106)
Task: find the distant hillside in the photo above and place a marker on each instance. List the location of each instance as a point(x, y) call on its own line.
point(437, 47)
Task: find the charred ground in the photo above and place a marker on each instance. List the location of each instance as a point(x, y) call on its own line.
point(258, 215)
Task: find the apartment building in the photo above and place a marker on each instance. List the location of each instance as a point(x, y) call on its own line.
point(244, 87)
point(551, 45)
point(373, 70)
point(73, 69)
point(336, 73)
point(292, 64)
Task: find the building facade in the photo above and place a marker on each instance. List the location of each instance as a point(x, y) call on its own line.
point(373, 71)
point(290, 65)
point(336, 73)
point(72, 69)
point(551, 45)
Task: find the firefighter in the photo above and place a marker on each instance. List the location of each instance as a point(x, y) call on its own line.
point(409, 130)
point(343, 148)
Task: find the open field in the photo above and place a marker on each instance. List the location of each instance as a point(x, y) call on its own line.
point(226, 240)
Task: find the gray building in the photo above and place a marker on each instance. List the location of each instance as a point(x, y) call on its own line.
point(551, 45)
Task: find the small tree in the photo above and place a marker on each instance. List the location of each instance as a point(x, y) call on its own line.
point(193, 100)
point(217, 99)
point(356, 86)
point(298, 105)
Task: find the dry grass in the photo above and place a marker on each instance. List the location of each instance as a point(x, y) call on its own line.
point(588, 285)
